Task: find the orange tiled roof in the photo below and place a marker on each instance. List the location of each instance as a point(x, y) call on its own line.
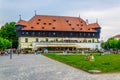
point(117, 36)
point(57, 23)
point(22, 22)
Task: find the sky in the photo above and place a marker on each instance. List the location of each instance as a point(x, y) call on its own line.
point(107, 12)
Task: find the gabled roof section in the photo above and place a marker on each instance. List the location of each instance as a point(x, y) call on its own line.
point(22, 22)
point(117, 36)
point(94, 25)
point(57, 23)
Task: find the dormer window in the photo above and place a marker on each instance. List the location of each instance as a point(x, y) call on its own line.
point(89, 29)
point(37, 23)
point(80, 28)
point(53, 27)
point(43, 28)
point(67, 20)
point(69, 24)
point(39, 19)
point(49, 23)
point(32, 27)
point(44, 23)
point(54, 20)
point(73, 28)
point(77, 24)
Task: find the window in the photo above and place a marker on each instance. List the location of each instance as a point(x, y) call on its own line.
point(71, 34)
point(88, 34)
point(26, 39)
point(37, 23)
point(67, 20)
point(42, 27)
point(73, 28)
point(81, 24)
point(46, 39)
point(49, 23)
point(54, 20)
point(80, 34)
point(84, 34)
point(32, 27)
point(44, 23)
point(33, 33)
point(39, 19)
point(36, 39)
point(26, 32)
point(54, 33)
point(69, 24)
point(93, 34)
point(80, 28)
point(22, 32)
point(89, 29)
point(39, 33)
point(77, 24)
point(53, 27)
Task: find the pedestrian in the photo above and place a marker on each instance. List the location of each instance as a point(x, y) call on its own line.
point(35, 52)
point(86, 57)
point(91, 58)
point(18, 53)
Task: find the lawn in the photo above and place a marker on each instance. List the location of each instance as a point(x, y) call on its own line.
point(104, 63)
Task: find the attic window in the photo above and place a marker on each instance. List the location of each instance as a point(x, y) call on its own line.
point(49, 23)
point(32, 27)
point(77, 24)
point(69, 24)
point(73, 28)
point(81, 22)
point(39, 19)
point(37, 23)
point(54, 20)
point(43, 28)
point(44, 23)
point(80, 28)
point(67, 20)
point(89, 29)
point(53, 27)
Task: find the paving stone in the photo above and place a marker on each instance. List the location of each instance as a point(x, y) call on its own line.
point(38, 67)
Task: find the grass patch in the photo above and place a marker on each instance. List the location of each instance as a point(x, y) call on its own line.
point(105, 63)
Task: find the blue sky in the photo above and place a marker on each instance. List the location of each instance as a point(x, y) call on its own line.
point(106, 11)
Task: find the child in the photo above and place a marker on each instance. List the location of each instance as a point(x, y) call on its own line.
point(91, 58)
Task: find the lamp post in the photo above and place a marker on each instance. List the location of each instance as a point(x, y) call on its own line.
point(11, 51)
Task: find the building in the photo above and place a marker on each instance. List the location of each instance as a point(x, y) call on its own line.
point(58, 33)
point(117, 36)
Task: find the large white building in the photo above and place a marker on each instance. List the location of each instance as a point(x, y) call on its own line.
point(58, 33)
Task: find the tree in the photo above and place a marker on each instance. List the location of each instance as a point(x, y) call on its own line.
point(4, 43)
point(118, 44)
point(111, 43)
point(8, 32)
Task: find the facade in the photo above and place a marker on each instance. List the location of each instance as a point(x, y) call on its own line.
point(57, 33)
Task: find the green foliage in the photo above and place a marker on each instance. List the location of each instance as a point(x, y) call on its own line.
point(105, 63)
point(8, 32)
point(4, 43)
point(111, 43)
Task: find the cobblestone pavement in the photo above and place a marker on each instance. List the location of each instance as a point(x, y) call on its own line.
point(38, 67)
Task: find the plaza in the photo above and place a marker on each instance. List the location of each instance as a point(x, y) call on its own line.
point(39, 67)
